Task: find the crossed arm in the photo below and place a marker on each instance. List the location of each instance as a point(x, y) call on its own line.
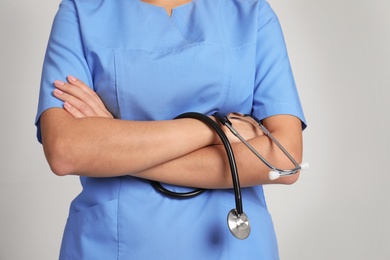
point(84, 139)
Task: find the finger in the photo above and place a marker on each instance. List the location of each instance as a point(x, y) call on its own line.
point(101, 109)
point(73, 111)
point(78, 83)
point(81, 99)
point(74, 102)
point(78, 98)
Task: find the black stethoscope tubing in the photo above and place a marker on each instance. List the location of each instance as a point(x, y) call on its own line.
point(232, 163)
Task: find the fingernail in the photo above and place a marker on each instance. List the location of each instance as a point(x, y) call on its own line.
point(71, 78)
point(58, 83)
point(57, 91)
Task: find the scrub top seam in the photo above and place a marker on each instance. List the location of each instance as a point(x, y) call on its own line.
point(173, 50)
point(226, 229)
point(222, 28)
point(118, 218)
point(229, 78)
point(115, 73)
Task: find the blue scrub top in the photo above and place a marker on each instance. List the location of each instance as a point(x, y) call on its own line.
point(210, 55)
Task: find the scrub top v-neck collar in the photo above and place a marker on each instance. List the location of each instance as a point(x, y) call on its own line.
point(161, 9)
point(163, 32)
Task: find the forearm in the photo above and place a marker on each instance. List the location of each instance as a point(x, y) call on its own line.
point(84, 142)
point(209, 167)
point(104, 147)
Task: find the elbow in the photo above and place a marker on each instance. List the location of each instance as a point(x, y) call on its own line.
point(288, 131)
point(289, 180)
point(58, 141)
point(59, 168)
point(58, 159)
point(287, 164)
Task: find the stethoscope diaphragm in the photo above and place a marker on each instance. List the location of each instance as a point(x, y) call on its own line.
point(239, 224)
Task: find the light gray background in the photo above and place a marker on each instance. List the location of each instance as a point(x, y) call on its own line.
point(340, 52)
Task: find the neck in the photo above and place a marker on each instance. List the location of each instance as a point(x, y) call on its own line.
point(168, 5)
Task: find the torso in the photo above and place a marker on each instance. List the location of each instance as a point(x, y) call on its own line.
point(147, 66)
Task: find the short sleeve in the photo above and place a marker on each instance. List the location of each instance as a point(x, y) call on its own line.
point(64, 56)
point(275, 89)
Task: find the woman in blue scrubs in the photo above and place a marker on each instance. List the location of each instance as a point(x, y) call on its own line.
point(149, 61)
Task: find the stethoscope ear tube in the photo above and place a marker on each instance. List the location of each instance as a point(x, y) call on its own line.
point(275, 172)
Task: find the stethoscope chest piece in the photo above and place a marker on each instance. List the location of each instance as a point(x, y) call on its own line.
point(238, 224)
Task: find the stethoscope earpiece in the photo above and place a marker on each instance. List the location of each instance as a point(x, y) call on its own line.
point(273, 175)
point(305, 166)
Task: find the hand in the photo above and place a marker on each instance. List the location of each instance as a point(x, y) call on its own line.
point(79, 99)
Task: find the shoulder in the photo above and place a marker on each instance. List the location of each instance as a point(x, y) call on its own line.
point(93, 5)
point(258, 8)
point(246, 12)
point(244, 3)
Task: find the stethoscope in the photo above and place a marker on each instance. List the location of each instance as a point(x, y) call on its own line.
point(237, 220)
